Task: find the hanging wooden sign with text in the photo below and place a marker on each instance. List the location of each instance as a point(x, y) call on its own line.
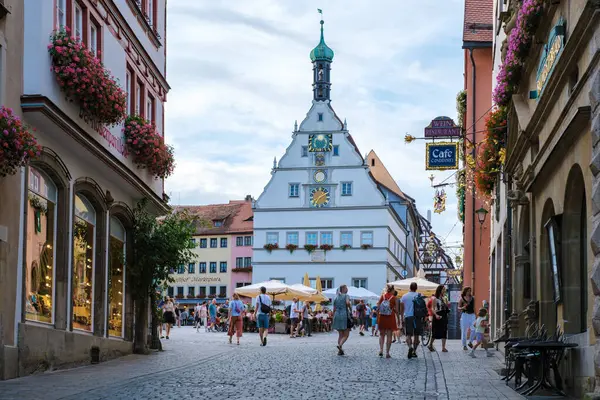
point(441, 156)
point(442, 127)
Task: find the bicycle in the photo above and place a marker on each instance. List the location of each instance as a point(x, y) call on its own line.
point(426, 334)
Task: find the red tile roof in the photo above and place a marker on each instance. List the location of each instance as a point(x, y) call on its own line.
point(209, 214)
point(243, 221)
point(480, 13)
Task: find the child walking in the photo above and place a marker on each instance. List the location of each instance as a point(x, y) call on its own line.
point(480, 324)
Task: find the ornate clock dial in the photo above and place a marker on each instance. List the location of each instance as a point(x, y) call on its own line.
point(319, 197)
point(320, 176)
point(320, 142)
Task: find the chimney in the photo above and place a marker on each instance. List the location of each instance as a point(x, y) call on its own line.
point(429, 216)
point(248, 197)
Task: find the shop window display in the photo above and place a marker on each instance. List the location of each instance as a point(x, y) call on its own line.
point(41, 229)
point(116, 277)
point(83, 262)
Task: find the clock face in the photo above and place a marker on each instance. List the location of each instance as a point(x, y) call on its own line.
point(320, 176)
point(319, 197)
point(320, 142)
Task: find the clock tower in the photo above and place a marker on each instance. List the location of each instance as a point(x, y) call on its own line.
point(321, 57)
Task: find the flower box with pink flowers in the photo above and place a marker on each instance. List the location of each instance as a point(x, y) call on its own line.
point(17, 144)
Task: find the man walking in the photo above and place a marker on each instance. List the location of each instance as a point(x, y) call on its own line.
point(360, 313)
point(262, 313)
point(307, 319)
point(294, 316)
point(410, 311)
point(212, 312)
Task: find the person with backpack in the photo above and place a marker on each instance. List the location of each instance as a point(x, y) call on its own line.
point(387, 319)
point(236, 321)
point(412, 310)
point(262, 313)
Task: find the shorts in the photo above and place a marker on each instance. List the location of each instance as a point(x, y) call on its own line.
point(413, 326)
point(294, 321)
point(262, 322)
point(362, 321)
point(213, 319)
point(374, 321)
point(479, 337)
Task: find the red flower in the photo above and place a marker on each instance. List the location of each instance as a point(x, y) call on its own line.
point(18, 143)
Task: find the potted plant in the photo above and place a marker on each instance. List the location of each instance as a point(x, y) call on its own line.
point(310, 248)
point(179, 296)
point(17, 144)
point(269, 247)
point(291, 247)
point(345, 247)
point(326, 247)
point(280, 326)
point(365, 246)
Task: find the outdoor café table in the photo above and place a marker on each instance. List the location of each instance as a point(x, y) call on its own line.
point(547, 362)
point(509, 342)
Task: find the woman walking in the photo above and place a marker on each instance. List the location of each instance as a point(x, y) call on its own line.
point(467, 318)
point(440, 310)
point(386, 308)
point(203, 315)
point(236, 309)
point(342, 312)
point(169, 315)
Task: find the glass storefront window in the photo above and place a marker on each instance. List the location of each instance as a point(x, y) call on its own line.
point(84, 238)
point(116, 278)
point(40, 241)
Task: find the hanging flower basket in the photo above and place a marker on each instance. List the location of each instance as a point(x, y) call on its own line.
point(17, 144)
point(291, 247)
point(269, 247)
point(85, 81)
point(345, 247)
point(326, 247)
point(38, 204)
point(147, 147)
point(310, 248)
point(365, 246)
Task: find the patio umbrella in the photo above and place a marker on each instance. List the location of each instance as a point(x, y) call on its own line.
point(425, 287)
point(311, 294)
point(319, 290)
point(354, 293)
point(367, 294)
point(306, 280)
point(276, 289)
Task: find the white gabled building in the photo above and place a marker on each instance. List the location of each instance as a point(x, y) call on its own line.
point(323, 192)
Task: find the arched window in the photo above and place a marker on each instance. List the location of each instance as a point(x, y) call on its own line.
point(40, 242)
point(116, 277)
point(84, 238)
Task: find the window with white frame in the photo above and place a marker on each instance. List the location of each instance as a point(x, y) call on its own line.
point(326, 283)
point(292, 238)
point(346, 188)
point(248, 240)
point(366, 238)
point(150, 109)
point(272, 238)
point(327, 238)
point(138, 98)
point(150, 12)
point(61, 13)
point(239, 262)
point(78, 22)
point(128, 90)
point(239, 241)
point(359, 282)
point(294, 190)
point(346, 239)
point(311, 238)
point(247, 261)
point(94, 31)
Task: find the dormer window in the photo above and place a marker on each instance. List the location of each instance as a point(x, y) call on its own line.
point(218, 223)
point(320, 115)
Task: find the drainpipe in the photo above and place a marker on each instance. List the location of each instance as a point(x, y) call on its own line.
point(474, 154)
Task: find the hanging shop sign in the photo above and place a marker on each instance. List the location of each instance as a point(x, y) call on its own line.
point(442, 127)
point(551, 53)
point(439, 201)
point(441, 156)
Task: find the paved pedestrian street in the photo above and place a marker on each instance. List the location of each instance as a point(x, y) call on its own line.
point(204, 365)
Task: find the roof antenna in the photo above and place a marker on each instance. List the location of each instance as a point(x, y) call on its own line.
point(296, 126)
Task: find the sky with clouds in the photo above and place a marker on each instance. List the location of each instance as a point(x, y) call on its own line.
point(240, 75)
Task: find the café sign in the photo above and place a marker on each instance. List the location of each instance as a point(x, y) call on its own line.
point(196, 279)
point(442, 127)
point(552, 52)
point(441, 156)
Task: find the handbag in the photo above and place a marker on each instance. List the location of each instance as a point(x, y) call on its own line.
point(350, 320)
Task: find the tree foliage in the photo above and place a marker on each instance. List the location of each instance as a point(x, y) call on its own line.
point(159, 246)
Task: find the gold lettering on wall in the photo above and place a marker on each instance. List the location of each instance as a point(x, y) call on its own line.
point(196, 279)
point(549, 62)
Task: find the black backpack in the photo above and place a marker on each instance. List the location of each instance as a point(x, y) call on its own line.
point(420, 307)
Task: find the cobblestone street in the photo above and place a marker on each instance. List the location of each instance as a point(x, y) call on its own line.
point(197, 365)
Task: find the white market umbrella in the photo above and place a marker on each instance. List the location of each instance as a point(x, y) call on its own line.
point(425, 287)
point(310, 293)
point(276, 289)
point(353, 292)
point(367, 294)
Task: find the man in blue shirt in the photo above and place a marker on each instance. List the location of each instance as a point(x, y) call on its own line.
point(413, 326)
point(212, 312)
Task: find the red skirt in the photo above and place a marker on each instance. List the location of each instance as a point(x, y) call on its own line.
point(387, 322)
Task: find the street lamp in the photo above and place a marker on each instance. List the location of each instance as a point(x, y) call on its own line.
point(481, 215)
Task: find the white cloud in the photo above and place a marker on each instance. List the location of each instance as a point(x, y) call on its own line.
point(240, 76)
